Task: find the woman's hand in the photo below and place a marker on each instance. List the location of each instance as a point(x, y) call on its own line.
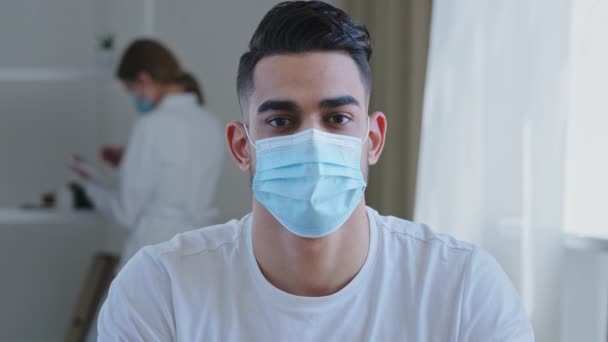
point(111, 155)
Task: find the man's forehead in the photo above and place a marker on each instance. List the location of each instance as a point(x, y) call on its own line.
point(312, 74)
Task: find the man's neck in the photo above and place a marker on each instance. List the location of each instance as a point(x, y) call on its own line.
point(310, 267)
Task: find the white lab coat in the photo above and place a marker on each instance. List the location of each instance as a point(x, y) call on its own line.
point(168, 175)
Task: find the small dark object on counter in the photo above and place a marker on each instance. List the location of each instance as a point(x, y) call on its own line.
point(81, 200)
point(48, 200)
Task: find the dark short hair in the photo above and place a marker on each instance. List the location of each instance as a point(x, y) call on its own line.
point(305, 26)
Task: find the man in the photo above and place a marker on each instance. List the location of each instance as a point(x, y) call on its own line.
point(311, 262)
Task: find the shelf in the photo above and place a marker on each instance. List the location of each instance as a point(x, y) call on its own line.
point(16, 216)
point(52, 74)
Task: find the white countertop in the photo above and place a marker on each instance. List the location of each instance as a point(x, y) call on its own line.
point(16, 216)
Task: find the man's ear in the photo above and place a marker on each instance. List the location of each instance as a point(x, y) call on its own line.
point(377, 136)
point(237, 141)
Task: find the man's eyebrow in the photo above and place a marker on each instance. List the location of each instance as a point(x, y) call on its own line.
point(339, 101)
point(282, 105)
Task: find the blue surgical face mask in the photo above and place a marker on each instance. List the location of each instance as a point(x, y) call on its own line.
point(311, 182)
point(142, 105)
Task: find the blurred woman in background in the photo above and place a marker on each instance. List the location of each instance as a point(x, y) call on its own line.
point(167, 174)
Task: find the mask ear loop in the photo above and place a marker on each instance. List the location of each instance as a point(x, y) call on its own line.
point(249, 137)
point(368, 130)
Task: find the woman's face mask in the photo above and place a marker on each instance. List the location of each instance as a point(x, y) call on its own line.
point(141, 102)
point(142, 105)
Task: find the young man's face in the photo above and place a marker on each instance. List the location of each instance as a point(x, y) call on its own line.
point(295, 92)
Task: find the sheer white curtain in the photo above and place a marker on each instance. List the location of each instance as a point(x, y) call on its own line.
point(493, 130)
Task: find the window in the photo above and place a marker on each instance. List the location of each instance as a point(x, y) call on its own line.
point(586, 190)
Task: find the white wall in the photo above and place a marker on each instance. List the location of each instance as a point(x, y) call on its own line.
point(47, 112)
point(43, 121)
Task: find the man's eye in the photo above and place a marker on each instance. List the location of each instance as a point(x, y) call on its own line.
point(339, 119)
point(279, 122)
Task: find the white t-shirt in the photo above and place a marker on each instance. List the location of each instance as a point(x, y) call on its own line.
point(415, 285)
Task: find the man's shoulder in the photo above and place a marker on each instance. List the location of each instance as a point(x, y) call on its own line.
point(204, 239)
point(198, 241)
point(422, 246)
point(143, 294)
point(420, 235)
